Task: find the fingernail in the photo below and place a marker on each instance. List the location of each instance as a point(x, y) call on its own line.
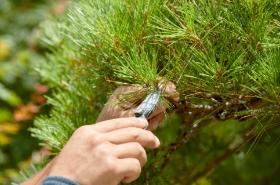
point(143, 120)
point(157, 142)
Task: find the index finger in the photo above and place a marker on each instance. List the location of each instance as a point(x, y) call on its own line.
point(119, 123)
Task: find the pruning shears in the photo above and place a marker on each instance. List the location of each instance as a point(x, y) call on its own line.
point(146, 108)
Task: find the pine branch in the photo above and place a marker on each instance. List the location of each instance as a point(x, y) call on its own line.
point(174, 146)
point(210, 166)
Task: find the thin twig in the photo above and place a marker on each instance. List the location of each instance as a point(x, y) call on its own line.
point(228, 153)
point(174, 146)
point(187, 135)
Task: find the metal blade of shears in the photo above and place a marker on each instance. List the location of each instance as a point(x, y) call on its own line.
point(146, 108)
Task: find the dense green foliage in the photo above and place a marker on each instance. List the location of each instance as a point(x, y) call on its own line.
point(20, 97)
point(223, 57)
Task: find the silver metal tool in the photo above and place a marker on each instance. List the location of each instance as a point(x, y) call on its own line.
point(149, 104)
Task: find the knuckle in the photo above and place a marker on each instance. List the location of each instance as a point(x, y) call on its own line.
point(141, 154)
point(111, 165)
point(95, 139)
point(103, 151)
point(171, 85)
point(134, 132)
point(89, 136)
point(119, 89)
point(137, 167)
point(82, 130)
point(140, 149)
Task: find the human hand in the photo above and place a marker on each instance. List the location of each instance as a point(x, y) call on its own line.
point(105, 153)
point(113, 110)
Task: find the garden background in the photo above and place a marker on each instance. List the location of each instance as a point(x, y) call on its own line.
point(221, 153)
point(21, 93)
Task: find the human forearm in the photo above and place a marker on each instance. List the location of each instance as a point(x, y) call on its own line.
point(40, 176)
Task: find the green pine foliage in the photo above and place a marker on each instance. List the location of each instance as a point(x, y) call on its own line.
point(223, 57)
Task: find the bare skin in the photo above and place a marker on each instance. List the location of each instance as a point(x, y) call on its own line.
point(108, 152)
point(127, 109)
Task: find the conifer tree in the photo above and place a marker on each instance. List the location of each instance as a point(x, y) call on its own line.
point(223, 57)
